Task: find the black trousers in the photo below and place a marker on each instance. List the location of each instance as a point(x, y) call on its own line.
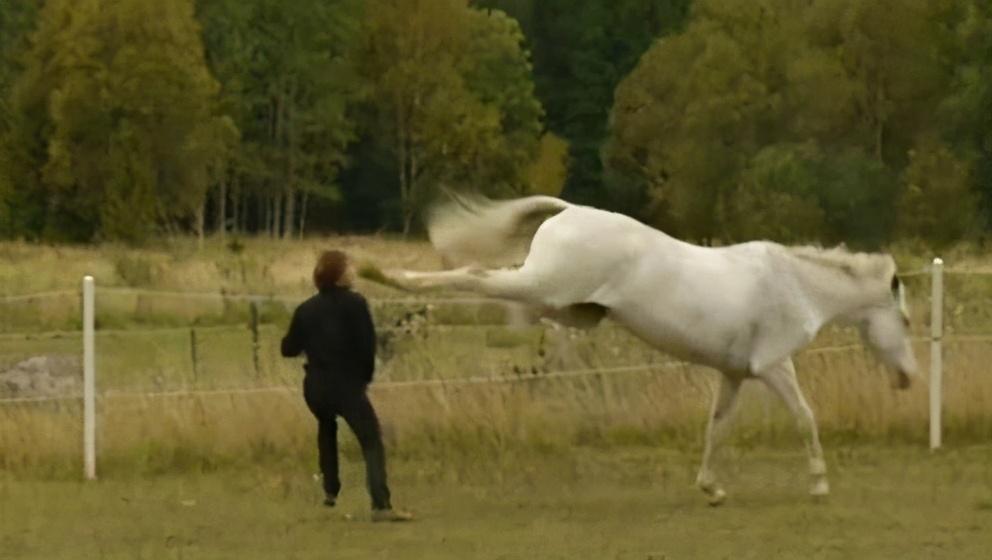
point(328, 400)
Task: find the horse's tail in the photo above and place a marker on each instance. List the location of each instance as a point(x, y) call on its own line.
point(477, 230)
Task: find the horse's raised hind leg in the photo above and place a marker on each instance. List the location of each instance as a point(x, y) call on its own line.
point(781, 379)
point(506, 283)
point(721, 417)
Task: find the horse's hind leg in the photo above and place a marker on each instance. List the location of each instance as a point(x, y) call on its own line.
point(721, 419)
point(507, 283)
point(782, 380)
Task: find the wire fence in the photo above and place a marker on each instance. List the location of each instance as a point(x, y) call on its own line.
point(199, 333)
point(223, 344)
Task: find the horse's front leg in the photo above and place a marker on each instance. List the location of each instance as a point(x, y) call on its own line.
point(781, 379)
point(721, 417)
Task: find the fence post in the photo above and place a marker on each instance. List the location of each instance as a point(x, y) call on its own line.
point(936, 357)
point(89, 380)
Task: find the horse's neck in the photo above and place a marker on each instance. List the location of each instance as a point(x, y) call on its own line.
point(836, 295)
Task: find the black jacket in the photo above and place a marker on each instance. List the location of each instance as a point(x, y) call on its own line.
point(334, 328)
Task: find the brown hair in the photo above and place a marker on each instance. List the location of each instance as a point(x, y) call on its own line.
point(330, 269)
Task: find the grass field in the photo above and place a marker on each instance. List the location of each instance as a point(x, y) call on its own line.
point(619, 503)
point(592, 466)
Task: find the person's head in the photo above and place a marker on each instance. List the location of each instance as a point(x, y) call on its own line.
point(332, 270)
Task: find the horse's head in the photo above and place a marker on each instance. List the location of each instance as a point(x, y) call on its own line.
point(885, 329)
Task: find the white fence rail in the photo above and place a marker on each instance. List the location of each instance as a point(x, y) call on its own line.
point(90, 396)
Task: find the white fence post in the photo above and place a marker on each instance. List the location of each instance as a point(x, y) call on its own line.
point(936, 357)
point(89, 380)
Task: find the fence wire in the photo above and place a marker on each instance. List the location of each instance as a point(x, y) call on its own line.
point(208, 330)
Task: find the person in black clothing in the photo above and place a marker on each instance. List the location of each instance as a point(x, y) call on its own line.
point(334, 329)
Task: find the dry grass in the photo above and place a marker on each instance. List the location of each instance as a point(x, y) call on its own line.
point(848, 391)
point(667, 407)
point(259, 266)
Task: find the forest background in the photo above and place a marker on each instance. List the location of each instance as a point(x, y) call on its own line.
point(715, 120)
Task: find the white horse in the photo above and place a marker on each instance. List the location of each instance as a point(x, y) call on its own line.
point(743, 309)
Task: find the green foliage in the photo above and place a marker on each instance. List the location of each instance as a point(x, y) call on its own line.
point(858, 195)
point(109, 103)
point(288, 80)
point(16, 20)
point(707, 118)
point(795, 120)
point(582, 49)
point(452, 100)
point(967, 109)
point(776, 197)
point(939, 202)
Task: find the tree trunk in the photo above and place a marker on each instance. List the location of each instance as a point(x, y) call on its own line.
point(414, 183)
point(276, 216)
point(267, 202)
point(401, 156)
point(880, 119)
point(236, 204)
point(289, 132)
point(289, 215)
point(201, 212)
point(303, 212)
point(222, 208)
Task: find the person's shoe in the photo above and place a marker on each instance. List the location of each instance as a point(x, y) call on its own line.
point(392, 515)
point(329, 500)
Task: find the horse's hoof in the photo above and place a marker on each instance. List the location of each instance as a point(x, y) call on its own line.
point(820, 488)
point(716, 497)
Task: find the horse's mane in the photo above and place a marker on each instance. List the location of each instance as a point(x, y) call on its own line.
point(857, 265)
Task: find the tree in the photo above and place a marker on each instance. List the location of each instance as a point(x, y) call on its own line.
point(892, 57)
point(452, 101)
point(289, 82)
point(939, 201)
point(497, 72)
point(112, 101)
point(776, 197)
point(693, 112)
point(17, 18)
point(966, 111)
point(857, 82)
point(582, 50)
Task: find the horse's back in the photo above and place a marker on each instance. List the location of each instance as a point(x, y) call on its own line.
point(580, 250)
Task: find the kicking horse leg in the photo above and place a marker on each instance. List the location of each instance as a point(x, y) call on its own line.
point(781, 379)
point(721, 419)
point(507, 283)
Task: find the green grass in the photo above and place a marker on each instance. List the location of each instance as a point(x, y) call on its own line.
point(625, 503)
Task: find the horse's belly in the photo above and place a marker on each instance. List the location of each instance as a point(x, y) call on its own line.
point(719, 348)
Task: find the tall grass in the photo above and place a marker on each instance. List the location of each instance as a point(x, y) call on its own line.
point(666, 408)
point(151, 343)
